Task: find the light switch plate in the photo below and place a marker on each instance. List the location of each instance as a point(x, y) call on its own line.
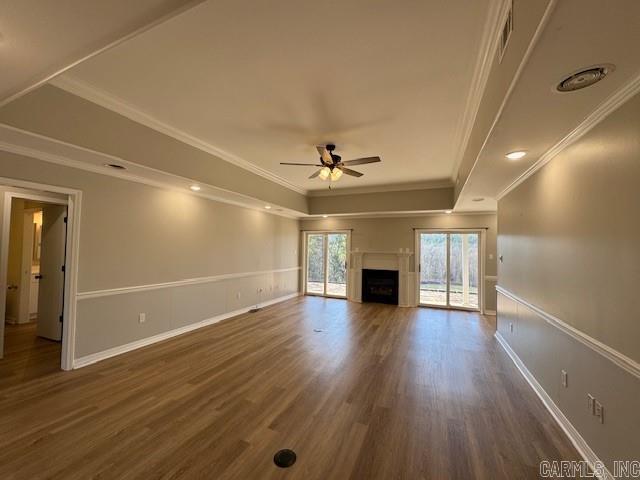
point(599, 411)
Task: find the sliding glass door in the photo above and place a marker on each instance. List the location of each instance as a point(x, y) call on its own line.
point(326, 264)
point(449, 269)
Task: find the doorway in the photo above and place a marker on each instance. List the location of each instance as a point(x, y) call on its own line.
point(326, 256)
point(449, 269)
point(38, 282)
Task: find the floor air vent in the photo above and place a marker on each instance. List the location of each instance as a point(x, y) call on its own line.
point(284, 458)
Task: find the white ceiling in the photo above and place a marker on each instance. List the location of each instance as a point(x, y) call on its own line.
point(579, 33)
point(267, 82)
point(41, 38)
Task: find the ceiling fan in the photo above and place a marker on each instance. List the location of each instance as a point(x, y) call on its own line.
point(332, 166)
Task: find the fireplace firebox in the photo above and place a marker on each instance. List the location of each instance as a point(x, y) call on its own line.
point(380, 286)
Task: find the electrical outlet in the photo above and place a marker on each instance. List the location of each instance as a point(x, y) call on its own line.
point(565, 380)
point(511, 327)
point(142, 317)
point(598, 411)
point(591, 404)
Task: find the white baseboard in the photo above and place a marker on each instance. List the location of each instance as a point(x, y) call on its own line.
point(490, 312)
point(574, 436)
point(112, 352)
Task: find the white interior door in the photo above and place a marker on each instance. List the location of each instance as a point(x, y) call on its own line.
point(52, 260)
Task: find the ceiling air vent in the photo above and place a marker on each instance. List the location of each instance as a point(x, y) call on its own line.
point(507, 28)
point(584, 78)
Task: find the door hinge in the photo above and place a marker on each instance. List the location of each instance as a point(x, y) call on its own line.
point(63, 268)
point(60, 318)
point(65, 219)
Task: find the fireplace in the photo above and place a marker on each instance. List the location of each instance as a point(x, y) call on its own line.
point(380, 286)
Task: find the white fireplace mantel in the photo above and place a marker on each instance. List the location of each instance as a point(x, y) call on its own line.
point(382, 260)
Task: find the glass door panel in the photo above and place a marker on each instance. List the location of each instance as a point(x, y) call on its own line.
point(315, 263)
point(336, 264)
point(463, 270)
point(433, 269)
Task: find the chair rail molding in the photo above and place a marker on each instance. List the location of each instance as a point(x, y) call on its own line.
point(178, 283)
point(620, 359)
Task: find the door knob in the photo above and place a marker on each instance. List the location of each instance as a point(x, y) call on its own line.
point(12, 287)
point(38, 276)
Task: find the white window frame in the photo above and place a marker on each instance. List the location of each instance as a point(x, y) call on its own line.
point(306, 233)
point(481, 266)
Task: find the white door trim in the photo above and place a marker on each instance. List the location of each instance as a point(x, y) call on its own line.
point(305, 259)
point(481, 264)
point(23, 189)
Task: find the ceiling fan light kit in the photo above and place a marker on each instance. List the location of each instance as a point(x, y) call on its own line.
point(332, 166)
point(325, 172)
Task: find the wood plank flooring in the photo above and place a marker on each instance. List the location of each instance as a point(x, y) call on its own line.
point(27, 356)
point(379, 392)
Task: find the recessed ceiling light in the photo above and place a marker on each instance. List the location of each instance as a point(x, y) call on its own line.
point(268, 207)
point(325, 216)
point(518, 154)
point(195, 188)
point(448, 211)
point(477, 199)
point(115, 166)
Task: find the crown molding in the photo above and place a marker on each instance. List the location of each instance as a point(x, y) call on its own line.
point(606, 108)
point(396, 187)
point(112, 102)
point(40, 147)
point(544, 20)
point(487, 53)
point(47, 77)
point(397, 214)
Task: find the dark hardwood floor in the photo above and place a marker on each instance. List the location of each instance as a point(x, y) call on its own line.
point(379, 392)
point(27, 356)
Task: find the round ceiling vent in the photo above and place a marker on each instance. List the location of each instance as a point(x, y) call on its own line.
point(584, 78)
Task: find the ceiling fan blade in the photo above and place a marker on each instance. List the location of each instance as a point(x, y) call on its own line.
point(315, 174)
point(353, 173)
point(324, 153)
point(304, 164)
point(362, 161)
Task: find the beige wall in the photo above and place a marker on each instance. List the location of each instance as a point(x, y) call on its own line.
point(569, 238)
point(57, 114)
point(133, 234)
point(401, 201)
point(392, 233)
point(569, 234)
